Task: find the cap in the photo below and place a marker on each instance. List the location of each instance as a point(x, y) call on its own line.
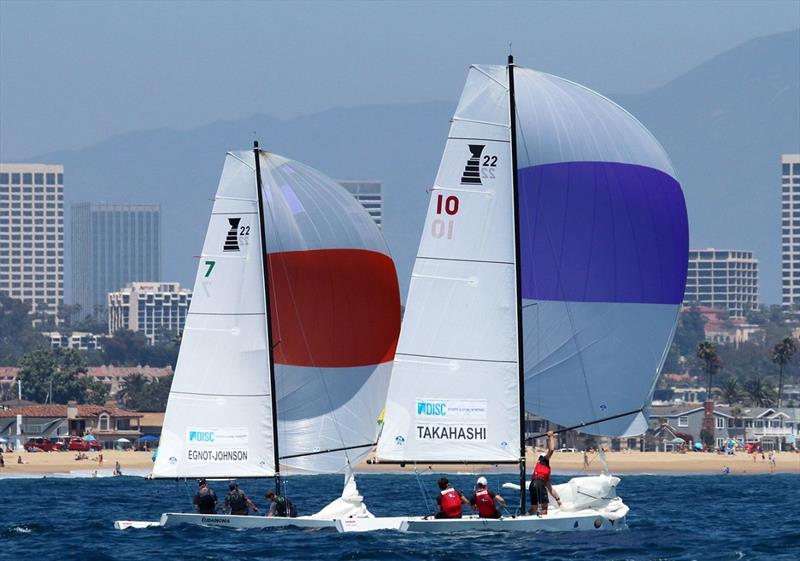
point(232, 485)
point(482, 481)
point(201, 482)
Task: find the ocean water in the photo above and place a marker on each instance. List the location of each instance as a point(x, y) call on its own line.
point(710, 517)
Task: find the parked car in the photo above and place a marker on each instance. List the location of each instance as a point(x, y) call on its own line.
point(77, 444)
point(39, 444)
point(567, 450)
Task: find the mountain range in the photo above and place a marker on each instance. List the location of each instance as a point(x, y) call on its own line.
point(724, 123)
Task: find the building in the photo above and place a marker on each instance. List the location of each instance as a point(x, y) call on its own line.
point(369, 194)
point(80, 340)
point(32, 234)
point(112, 245)
point(107, 423)
point(155, 309)
point(790, 229)
point(774, 429)
point(724, 330)
point(722, 278)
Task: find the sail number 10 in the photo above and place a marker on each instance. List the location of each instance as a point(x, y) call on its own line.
point(443, 227)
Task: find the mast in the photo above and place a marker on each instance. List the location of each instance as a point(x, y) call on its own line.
point(518, 282)
point(268, 319)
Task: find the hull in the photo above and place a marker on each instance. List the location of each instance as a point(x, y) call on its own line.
point(588, 520)
point(232, 521)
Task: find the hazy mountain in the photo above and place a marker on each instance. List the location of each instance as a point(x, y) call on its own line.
point(724, 123)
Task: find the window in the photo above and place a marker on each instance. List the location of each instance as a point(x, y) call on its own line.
point(27, 179)
point(720, 422)
point(4, 178)
point(785, 169)
point(103, 422)
point(683, 421)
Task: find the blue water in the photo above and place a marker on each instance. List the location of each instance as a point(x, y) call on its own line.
point(672, 518)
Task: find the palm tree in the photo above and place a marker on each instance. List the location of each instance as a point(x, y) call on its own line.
point(731, 391)
point(782, 355)
point(761, 394)
point(712, 364)
point(132, 391)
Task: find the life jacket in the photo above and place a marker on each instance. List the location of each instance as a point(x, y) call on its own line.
point(541, 471)
point(451, 503)
point(485, 504)
point(206, 501)
point(238, 502)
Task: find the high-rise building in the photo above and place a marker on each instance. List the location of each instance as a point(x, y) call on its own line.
point(155, 309)
point(790, 229)
point(112, 245)
point(369, 194)
point(32, 234)
point(722, 278)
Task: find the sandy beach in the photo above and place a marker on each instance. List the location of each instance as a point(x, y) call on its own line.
point(571, 463)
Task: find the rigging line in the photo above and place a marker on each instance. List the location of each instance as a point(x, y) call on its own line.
point(588, 423)
point(329, 450)
point(492, 78)
point(422, 488)
point(235, 157)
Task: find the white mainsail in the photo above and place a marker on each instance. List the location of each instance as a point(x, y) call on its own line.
point(218, 420)
point(454, 394)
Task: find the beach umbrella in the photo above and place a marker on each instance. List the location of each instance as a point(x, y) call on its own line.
point(89, 438)
point(2, 439)
point(677, 440)
point(123, 441)
point(148, 438)
point(698, 445)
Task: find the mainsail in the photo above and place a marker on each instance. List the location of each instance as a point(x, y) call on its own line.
point(590, 281)
point(334, 320)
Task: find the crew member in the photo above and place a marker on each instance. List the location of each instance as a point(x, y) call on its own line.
point(449, 500)
point(237, 502)
point(483, 500)
point(205, 501)
point(280, 505)
point(540, 480)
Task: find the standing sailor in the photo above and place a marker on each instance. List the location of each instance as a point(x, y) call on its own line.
point(205, 501)
point(237, 503)
point(280, 505)
point(540, 480)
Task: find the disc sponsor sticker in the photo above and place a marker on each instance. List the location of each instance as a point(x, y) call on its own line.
point(451, 419)
point(216, 445)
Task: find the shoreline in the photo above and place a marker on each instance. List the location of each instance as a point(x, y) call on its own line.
point(63, 464)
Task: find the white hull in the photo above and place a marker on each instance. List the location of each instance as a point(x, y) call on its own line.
point(228, 521)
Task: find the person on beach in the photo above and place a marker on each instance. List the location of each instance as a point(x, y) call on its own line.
point(205, 501)
point(540, 480)
point(449, 500)
point(772, 462)
point(2, 460)
point(100, 459)
point(585, 460)
point(117, 468)
point(483, 500)
point(280, 506)
point(237, 503)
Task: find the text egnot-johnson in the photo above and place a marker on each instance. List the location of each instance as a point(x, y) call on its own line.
point(217, 455)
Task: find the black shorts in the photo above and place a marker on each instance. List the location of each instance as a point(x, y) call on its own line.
point(538, 491)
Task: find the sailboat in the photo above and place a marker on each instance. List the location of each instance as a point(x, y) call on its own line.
point(549, 279)
point(287, 349)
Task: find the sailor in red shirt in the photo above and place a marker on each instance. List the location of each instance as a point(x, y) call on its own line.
point(449, 500)
point(540, 480)
point(484, 498)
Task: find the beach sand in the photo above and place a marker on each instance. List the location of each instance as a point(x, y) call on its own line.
point(562, 462)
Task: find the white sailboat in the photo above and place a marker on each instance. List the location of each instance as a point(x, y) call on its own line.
point(549, 278)
point(286, 354)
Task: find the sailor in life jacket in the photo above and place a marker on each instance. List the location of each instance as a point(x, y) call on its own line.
point(205, 501)
point(540, 480)
point(237, 503)
point(280, 505)
point(484, 498)
point(449, 500)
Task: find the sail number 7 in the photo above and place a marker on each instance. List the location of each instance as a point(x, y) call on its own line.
point(210, 265)
point(441, 228)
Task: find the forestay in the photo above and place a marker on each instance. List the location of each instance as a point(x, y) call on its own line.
point(218, 414)
point(453, 394)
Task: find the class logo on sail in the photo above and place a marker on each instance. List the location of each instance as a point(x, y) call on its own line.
point(232, 239)
point(472, 170)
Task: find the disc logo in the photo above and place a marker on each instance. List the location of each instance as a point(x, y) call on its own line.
point(431, 409)
point(201, 436)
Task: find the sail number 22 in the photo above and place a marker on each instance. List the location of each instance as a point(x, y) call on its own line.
point(443, 227)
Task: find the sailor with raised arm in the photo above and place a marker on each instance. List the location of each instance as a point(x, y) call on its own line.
point(540, 480)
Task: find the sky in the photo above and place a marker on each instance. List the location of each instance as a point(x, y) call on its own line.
point(75, 73)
